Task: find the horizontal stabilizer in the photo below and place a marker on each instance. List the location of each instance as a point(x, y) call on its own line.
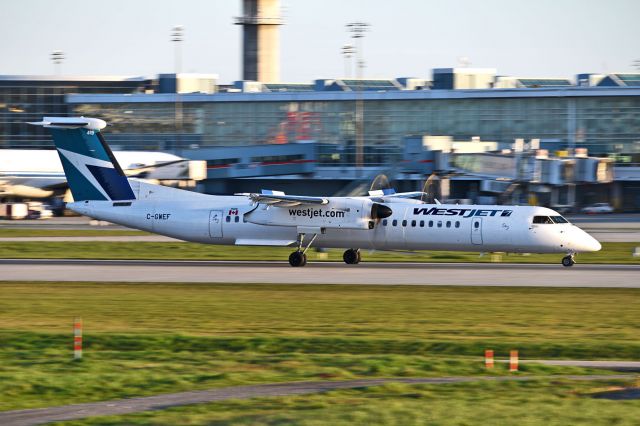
point(71, 123)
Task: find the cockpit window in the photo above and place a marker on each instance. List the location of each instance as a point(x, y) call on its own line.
point(549, 220)
point(542, 220)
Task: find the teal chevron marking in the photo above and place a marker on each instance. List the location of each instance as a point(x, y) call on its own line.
point(80, 186)
point(80, 141)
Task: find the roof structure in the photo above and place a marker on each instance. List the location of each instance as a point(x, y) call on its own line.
point(288, 87)
point(622, 80)
point(532, 83)
point(355, 85)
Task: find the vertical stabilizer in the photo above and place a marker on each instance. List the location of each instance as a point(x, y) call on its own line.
point(92, 170)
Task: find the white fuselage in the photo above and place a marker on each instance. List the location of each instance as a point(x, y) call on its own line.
point(342, 223)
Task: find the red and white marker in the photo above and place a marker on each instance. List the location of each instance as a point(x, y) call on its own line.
point(77, 338)
point(488, 358)
point(513, 361)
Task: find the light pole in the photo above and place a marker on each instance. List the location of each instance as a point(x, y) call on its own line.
point(347, 51)
point(57, 57)
point(357, 30)
point(177, 37)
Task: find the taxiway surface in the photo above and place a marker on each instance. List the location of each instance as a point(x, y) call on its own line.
point(379, 273)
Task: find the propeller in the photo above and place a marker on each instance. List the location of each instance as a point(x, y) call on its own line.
point(379, 211)
point(431, 189)
point(380, 183)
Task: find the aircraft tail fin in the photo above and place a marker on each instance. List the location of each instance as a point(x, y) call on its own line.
point(92, 171)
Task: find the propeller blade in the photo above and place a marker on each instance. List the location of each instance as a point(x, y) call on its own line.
point(429, 190)
point(381, 182)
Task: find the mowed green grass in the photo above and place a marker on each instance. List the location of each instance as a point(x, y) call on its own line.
point(544, 402)
point(610, 253)
point(145, 339)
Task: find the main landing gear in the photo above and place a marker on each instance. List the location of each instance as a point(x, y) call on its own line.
point(299, 257)
point(568, 260)
point(352, 257)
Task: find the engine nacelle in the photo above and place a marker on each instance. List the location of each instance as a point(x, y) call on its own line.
point(339, 213)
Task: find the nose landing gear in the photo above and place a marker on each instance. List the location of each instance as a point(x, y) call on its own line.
point(352, 257)
point(568, 260)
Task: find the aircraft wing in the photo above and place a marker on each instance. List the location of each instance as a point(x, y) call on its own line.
point(415, 196)
point(279, 200)
point(384, 194)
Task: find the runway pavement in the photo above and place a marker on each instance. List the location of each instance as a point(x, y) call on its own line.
point(159, 402)
point(378, 273)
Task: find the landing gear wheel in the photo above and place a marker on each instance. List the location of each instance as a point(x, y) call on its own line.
point(297, 258)
point(568, 261)
point(351, 257)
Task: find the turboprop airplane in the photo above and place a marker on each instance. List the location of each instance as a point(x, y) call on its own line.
point(384, 220)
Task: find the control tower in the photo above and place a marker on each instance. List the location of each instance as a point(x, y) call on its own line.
point(260, 40)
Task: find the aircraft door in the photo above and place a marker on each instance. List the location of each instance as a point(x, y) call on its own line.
point(476, 230)
point(215, 223)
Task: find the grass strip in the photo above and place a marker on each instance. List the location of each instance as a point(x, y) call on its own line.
point(143, 339)
point(548, 403)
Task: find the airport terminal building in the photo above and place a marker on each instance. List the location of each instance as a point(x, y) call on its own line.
point(598, 113)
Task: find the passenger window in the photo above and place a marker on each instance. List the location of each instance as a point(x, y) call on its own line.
point(237, 219)
point(430, 224)
point(457, 224)
point(395, 222)
point(439, 224)
point(228, 219)
point(413, 223)
point(384, 222)
point(404, 223)
point(448, 224)
point(422, 224)
point(546, 220)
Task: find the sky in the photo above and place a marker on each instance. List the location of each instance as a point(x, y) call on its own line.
point(407, 38)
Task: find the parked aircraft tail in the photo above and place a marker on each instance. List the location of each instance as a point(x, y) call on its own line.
point(92, 171)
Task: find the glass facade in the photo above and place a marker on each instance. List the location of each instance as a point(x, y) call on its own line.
point(30, 99)
point(603, 123)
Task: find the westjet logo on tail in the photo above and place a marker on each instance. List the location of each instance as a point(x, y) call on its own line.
point(435, 211)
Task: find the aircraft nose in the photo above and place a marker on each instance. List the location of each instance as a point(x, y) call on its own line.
point(586, 242)
point(595, 244)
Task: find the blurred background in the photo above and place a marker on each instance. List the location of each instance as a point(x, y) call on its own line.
point(497, 104)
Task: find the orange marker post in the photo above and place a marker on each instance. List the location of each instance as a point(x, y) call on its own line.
point(488, 358)
point(77, 338)
point(513, 361)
